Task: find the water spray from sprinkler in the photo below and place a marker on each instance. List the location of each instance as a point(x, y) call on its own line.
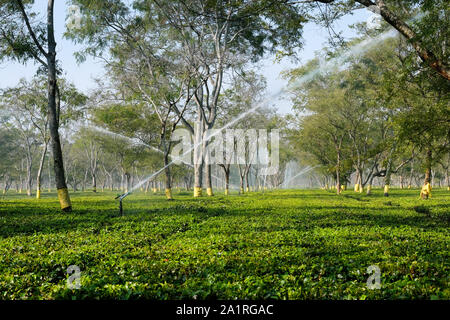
point(355, 50)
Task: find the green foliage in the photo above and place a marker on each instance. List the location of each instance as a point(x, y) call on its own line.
point(282, 244)
point(131, 120)
point(9, 147)
point(15, 41)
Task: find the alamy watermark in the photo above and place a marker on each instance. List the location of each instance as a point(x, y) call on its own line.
point(374, 280)
point(374, 21)
point(73, 20)
point(74, 272)
point(230, 146)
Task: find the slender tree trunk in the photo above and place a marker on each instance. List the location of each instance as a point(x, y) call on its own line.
point(53, 114)
point(369, 186)
point(208, 179)
point(198, 179)
point(208, 169)
point(29, 177)
point(49, 175)
point(411, 175)
point(356, 188)
point(428, 167)
point(241, 179)
point(338, 172)
point(85, 180)
point(226, 171)
point(227, 181)
point(247, 182)
point(199, 147)
point(111, 183)
point(7, 184)
point(387, 177)
point(94, 182)
point(424, 53)
point(426, 189)
point(20, 176)
point(75, 183)
point(40, 169)
point(167, 176)
point(360, 176)
point(241, 186)
point(447, 178)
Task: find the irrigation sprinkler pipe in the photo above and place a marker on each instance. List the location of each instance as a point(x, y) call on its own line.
point(121, 197)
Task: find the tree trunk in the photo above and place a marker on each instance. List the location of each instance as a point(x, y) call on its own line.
point(85, 180)
point(426, 55)
point(356, 187)
point(369, 186)
point(167, 176)
point(447, 178)
point(94, 182)
point(227, 182)
point(241, 189)
point(387, 177)
point(338, 172)
point(49, 175)
point(241, 179)
point(226, 170)
point(426, 189)
point(247, 182)
point(39, 174)
point(53, 114)
point(111, 182)
point(199, 153)
point(20, 176)
point(7, 184)
point(29, 178)
point(208, 179)
point(198, 179)
point(411, 175)
point(360, 175)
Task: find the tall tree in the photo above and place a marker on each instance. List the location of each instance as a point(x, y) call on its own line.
point(23, 39)
point(425, 24)
point(211, 36)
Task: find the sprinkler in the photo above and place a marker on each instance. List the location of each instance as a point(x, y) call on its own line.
point(121, 197)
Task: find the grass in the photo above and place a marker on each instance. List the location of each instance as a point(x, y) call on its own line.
point(288, 244)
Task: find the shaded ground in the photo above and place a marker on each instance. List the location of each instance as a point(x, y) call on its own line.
point(289, 244)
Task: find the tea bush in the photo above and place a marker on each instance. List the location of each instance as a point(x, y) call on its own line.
point(286, 244)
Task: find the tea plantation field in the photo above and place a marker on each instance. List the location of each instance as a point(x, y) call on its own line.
point(287, 244)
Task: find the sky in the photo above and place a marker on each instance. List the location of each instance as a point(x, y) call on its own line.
point(82, 75)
